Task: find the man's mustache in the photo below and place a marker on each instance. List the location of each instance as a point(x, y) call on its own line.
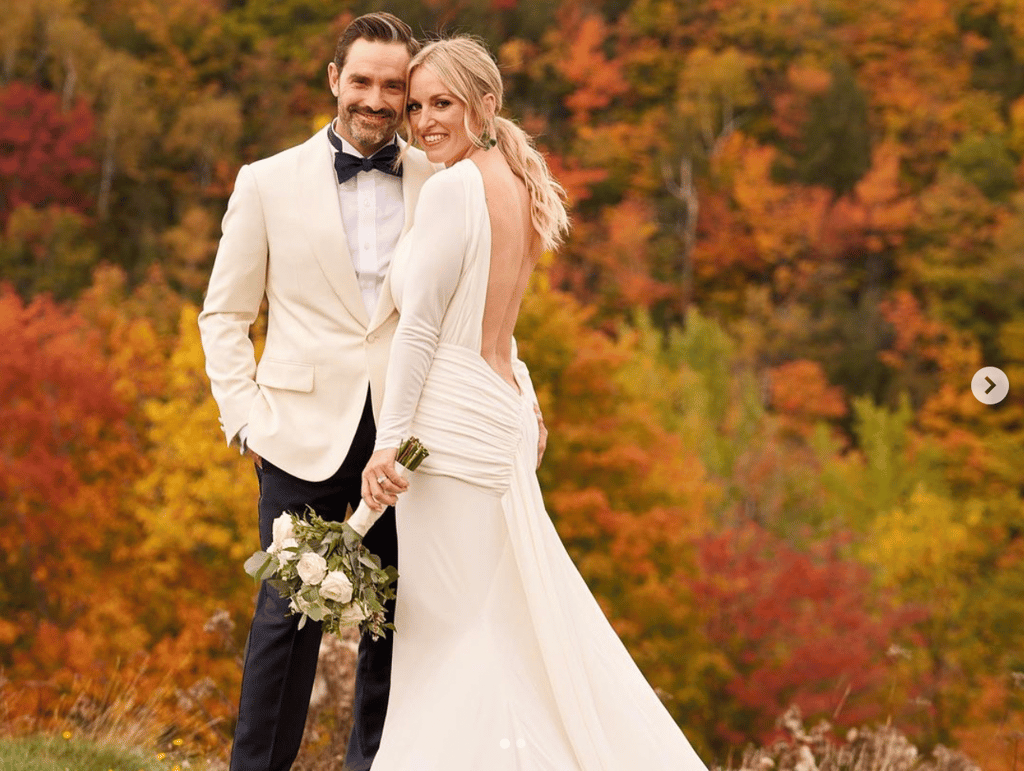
point(385, 113)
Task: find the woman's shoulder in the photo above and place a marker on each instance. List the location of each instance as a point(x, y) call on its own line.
point(452, 176)
point(451, 187)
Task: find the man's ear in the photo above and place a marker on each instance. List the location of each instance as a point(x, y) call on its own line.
point(333, 78)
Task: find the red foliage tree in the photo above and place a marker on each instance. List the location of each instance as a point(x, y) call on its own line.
point(793, 625)
point(66, 455)
point(44, 156)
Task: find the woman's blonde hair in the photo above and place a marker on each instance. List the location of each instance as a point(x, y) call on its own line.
point(469, 73)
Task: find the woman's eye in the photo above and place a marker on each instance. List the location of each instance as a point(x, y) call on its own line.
point(442, 103)
point(413, 107)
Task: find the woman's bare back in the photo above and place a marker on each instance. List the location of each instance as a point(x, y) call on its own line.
point(515, 249)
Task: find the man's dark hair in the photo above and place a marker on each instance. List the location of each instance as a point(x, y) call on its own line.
point(376, 27)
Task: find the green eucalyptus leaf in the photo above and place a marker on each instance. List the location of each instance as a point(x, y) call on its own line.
point(257, 563)
point(283, 587)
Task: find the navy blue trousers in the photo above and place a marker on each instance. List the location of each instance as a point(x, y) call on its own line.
point(280, 659)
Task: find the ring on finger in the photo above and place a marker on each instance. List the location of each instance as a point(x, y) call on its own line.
point(380, 479)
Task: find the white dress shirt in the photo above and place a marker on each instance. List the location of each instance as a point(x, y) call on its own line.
point(373, 212)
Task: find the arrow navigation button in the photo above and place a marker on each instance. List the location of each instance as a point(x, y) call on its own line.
point(990, 385)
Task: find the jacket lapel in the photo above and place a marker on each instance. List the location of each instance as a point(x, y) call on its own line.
point(325, 230)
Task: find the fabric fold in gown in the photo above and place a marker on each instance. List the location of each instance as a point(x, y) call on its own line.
point(503, 659)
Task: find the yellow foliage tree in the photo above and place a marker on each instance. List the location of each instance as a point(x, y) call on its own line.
point(195, 503)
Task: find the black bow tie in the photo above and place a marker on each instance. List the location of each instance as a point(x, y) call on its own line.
point(348, 165)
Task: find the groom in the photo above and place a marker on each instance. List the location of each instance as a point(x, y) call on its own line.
point(312, 229)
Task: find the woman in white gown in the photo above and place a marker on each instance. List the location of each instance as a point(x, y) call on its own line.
point(503, 660)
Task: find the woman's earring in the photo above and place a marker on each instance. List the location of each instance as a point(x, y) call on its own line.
point(487, 139)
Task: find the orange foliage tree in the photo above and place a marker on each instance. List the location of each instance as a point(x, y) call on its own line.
point(66, 457)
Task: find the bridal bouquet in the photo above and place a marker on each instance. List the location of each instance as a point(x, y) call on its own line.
point(324, 569)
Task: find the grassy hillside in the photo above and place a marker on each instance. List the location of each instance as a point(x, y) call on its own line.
point(65, 752)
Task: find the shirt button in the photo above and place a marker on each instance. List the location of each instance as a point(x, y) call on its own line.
point(371, 338)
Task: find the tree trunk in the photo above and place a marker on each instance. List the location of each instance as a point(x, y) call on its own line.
point(107, 174)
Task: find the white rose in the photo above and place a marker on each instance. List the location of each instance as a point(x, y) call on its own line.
point(336, 587)
point(286, 552)
point(353, 614)
point(312, 568)
point(283, 530)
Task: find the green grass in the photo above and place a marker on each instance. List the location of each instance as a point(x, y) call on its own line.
point(57, 753)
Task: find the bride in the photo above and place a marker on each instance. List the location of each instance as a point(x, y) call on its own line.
point(503, 660)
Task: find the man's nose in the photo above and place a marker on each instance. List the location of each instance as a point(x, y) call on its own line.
point(375, 98)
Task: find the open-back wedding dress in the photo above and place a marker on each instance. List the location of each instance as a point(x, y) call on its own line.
point(503, 660)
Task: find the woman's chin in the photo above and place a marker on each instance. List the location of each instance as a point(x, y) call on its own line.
point(446, 152)
point(436, 154)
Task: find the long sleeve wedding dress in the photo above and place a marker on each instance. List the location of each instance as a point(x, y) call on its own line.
point(503, 660)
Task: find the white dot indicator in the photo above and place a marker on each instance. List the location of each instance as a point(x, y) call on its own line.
point(504, 744)
point(520, 743)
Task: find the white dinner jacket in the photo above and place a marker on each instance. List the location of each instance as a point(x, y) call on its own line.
point(283, 238)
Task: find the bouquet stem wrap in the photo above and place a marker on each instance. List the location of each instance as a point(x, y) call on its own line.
point(411, 454)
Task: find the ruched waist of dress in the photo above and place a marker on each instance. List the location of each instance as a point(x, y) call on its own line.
point(469, 419)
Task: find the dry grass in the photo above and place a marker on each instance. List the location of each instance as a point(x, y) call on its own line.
point(866, 749)
point(173, 725)
point(159, 724)
point(133, 708)
point(330, 707)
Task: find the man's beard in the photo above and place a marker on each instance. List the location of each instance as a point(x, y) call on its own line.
point(370, 136)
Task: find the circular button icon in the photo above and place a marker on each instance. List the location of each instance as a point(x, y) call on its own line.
point(990, 385)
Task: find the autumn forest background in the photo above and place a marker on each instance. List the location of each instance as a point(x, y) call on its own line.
point(798, 232)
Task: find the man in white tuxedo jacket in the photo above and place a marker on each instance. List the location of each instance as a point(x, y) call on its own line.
point(312, 229)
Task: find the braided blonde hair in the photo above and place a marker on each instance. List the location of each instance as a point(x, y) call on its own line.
point(467, 70)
